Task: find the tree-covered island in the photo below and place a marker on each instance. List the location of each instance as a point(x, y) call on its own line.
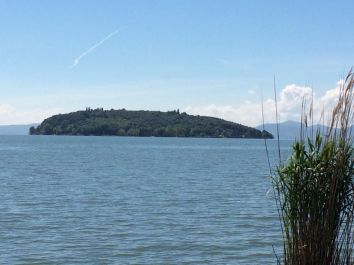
point(143, 123)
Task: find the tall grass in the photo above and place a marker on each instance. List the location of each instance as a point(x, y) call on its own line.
point(314, 191)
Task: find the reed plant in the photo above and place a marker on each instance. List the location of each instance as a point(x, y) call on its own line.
point(314, 190)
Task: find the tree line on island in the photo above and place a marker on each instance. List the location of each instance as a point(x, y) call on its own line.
point(143, 123)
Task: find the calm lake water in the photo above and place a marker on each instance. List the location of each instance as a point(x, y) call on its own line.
point(126, 200)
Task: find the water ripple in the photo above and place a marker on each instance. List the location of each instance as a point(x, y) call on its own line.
point(115, 200)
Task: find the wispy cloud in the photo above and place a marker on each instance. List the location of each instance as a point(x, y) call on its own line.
point(92, 48)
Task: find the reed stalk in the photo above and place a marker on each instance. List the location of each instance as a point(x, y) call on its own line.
point(314, 191)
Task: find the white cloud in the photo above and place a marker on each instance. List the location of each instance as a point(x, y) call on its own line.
point(246, 113)
point(290, 101)
point(11, 115)
point(6, 109)
point(249, 112)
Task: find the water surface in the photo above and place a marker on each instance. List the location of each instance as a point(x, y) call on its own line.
point(126, 200)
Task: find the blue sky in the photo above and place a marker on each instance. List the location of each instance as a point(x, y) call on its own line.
point(203, 57)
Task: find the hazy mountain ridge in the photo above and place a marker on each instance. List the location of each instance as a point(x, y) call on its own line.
point(289, 130)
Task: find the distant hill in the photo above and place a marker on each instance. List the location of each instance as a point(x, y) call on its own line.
point(143, 123)
point(21, 129)
point(288, 129)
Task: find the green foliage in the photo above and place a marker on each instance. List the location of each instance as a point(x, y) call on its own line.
point(315, 193)
point(143, 123)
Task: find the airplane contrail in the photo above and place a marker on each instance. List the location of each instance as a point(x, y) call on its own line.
point(91, 49)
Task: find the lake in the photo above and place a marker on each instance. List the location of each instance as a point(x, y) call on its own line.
point(127, 200)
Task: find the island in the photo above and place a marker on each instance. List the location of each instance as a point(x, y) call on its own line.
point(100, 122)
